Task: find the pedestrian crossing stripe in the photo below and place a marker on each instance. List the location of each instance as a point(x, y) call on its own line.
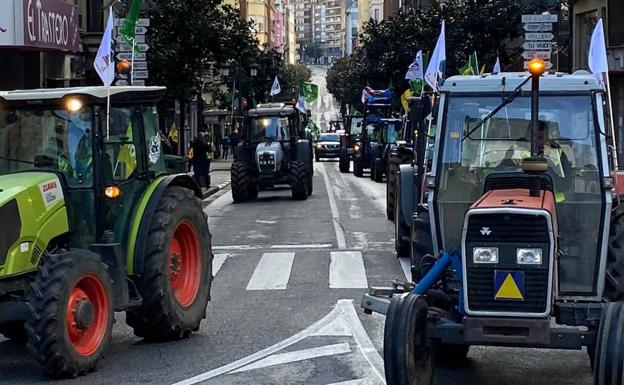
point(509, 285)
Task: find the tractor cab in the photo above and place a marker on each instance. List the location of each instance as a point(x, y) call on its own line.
point(524, 224)
point(390, 130)
point(352, 133)
point(376, 108)
point(276, 149)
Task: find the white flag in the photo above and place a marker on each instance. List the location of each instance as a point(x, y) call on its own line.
point(415, 70)
point(496, 69)
point(276, 89)
point(598, 52)
point(104, 62)
point(301, 104)
point(435, 69)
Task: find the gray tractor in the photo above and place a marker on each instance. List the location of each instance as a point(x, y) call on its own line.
point(276, 149)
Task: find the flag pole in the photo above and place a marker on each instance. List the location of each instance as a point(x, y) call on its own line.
point(615, 158)
point(108, 112)
point(132, 64)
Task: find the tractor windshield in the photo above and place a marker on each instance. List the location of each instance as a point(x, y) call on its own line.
point(39, 139)
point(392, 131)
point(269, 128)
point(500, 144)
point(356, 126)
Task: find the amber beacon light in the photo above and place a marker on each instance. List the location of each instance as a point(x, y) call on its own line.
point(536, 67)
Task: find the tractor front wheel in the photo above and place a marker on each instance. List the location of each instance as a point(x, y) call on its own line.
point(358, 167)
point(614, 280)
point(609, 349)
point(401, 230)
point(408, 358)
point(14, 330)
point(72, 316)
point(343, 161)
point(299, 175)
point(379, 170)
point(175, 284)
point(241, 182)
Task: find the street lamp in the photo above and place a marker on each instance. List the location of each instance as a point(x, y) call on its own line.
point(253, 70)
point(225, 72)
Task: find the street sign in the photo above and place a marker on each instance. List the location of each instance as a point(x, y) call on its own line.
point(139, 38)
point(539, 18)
point(538, 27)
point(140, 30)
point(538, 36)
point(548, 65)
point(121, 82)
point(125, 47)
point(537, 45)
point(142, 22)
point(138, 82)
point(144, 74)
point(544, 55)
point(142, 65)
point(128, 56)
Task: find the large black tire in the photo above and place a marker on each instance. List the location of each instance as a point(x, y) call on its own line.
point(358, 167)
point(421, 242)
point(391, 188)
point(408, 358)
point(343, 161)
point(379, 170)
point(70, 284)
point(175, 284)
point(401, 229)
point(614, 280)
point(609, 350)
point(241, 182)
point(14, 330)
point(299, 175)
point(310, 180)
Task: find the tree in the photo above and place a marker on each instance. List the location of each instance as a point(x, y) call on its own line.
point(388, 47)
point(292, 75)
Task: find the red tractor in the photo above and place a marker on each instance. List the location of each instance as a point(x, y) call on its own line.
point(522, 214)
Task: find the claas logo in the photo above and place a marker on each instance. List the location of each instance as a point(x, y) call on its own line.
point(49, 186)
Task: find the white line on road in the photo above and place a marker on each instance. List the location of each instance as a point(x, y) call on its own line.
point(340, 237)
point(346, 270)
point(298, 355)
point(361, 381)
point(406, 265)
point(260, 247)
point(272, 272)
point(217, 262)
point(344, 308)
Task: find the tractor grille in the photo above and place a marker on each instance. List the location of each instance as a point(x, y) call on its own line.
point(36, 254)
point(507, 232)
point(481, 292)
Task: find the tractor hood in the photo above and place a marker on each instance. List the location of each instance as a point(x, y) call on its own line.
point(269, 157)
point(48, 184)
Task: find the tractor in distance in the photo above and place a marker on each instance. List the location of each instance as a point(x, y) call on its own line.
point(390, 131)
point(403, 150)
point(348, 138)
point(526, 223)
point(276, 149)
point(98, 226)
point(377, 106)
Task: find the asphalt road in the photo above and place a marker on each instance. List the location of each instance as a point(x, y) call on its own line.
point(285, 304)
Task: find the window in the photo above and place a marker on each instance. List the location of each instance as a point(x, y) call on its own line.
point(120, 154)
point(95, 16)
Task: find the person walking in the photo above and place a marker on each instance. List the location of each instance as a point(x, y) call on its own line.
point(234, 139)
point(200, 160)
point(225, 144)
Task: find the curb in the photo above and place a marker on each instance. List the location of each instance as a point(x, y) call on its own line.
point(215, 189)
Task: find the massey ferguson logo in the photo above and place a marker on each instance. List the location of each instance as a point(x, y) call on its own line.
point(48, 186)
point(486, 231)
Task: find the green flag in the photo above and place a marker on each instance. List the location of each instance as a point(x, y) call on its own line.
point(309, 91)
point(128, 29)
point(471, 67)
point(416, 86)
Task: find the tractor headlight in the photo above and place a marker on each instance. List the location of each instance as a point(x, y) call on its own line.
point(318, 145)
point(485, 255)
point(529, 256)
point(356, 147)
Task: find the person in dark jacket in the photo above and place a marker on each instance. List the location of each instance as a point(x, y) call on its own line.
point(200, 161)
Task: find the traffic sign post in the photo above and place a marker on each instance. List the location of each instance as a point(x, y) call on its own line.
point(548, 65)
point(539, 18)
point(124, 51)
point(538, 27)
point(537, 45)
point(544, 55)
point(538, 38)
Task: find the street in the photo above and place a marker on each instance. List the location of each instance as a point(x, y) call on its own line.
point(285, 304)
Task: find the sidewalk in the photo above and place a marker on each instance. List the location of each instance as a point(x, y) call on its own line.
point(219, 176)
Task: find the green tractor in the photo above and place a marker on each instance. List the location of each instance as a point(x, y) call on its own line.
point(96, 226)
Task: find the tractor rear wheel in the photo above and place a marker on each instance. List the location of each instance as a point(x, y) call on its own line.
point(390, 198)
point(14, 330)
point(175, 284)
point(401, 230)
point(72, 316)
point(421, 243)
point(241, 182)
point(310, 180)
point(614, 280)
point(408, 358)
point(343, 161)
point(358, 167)
point(299, 180)
point(609, 355)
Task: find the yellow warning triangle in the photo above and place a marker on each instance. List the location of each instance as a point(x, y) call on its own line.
point(509, 289)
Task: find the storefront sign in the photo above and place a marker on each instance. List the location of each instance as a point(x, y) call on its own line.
point(51, 24)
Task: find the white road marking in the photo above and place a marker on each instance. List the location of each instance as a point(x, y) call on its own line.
point(217, 262)
point(313, 246)
point(361, 381)
point(272, 272)
point(298, 355)
point(344, 309)
point(265, 222)
point(346, 270)
point(406, 265)
point(260, 247)
point(340, 237)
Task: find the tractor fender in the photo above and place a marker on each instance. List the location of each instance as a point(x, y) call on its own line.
point(144, 213)
point(406, 183)
point(301, 151)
